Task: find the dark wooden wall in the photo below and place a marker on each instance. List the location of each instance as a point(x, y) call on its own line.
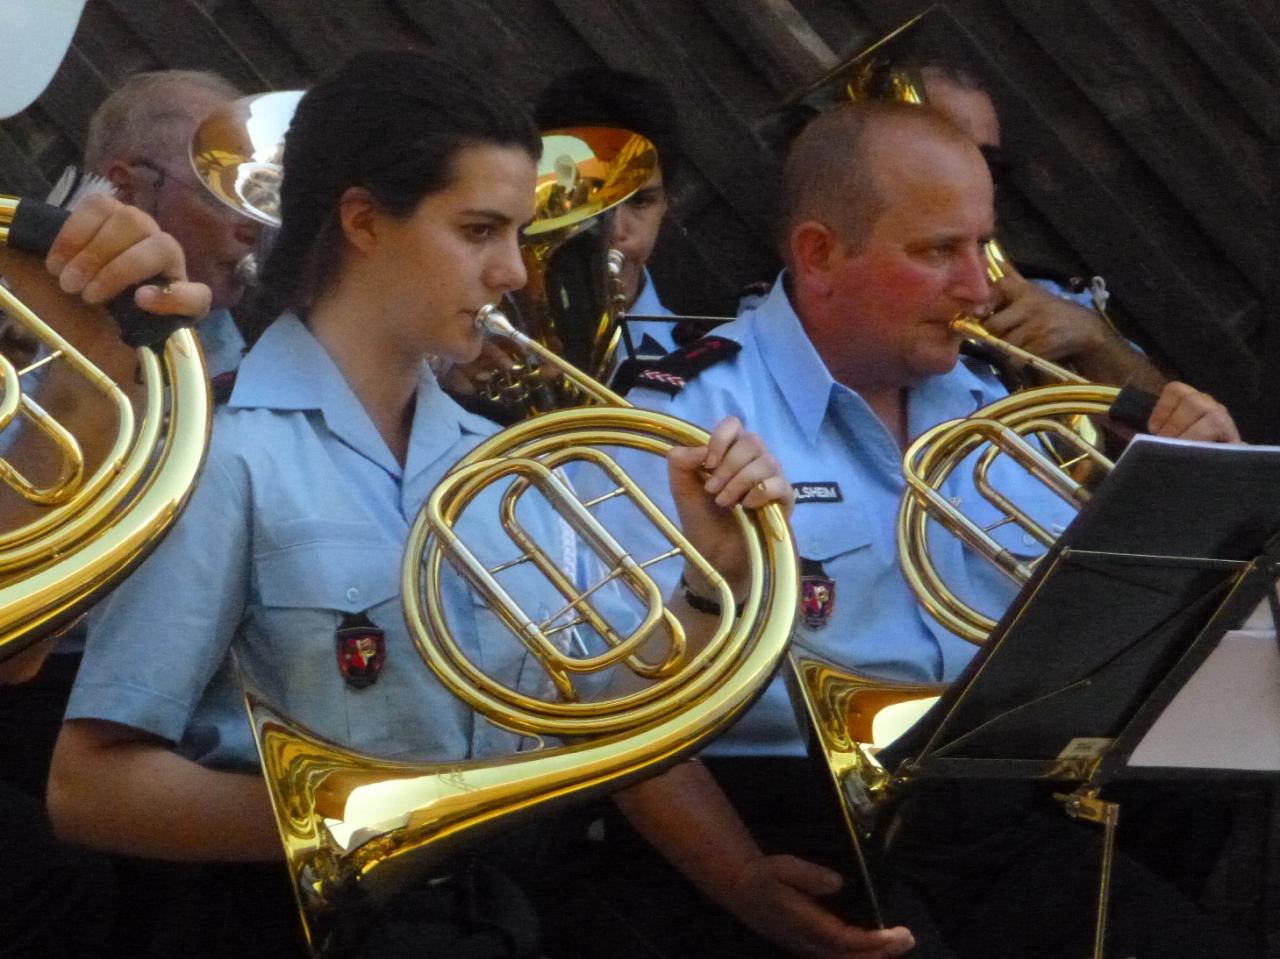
point(1142, 133)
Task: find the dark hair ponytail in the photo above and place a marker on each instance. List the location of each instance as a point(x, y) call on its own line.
point(392, 123)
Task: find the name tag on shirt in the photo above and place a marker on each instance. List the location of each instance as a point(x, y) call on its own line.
point(817, 492)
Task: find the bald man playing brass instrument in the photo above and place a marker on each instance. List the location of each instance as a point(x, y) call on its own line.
point(886, 209)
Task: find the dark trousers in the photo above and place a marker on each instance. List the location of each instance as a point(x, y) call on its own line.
point(55, 899)
point(248, 911)
point(1008, 875)
point(974, 871)
point(31, 715)
point(619, 899)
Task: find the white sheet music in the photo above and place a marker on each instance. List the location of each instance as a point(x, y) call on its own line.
point(1201, 444)
point(1228, 715)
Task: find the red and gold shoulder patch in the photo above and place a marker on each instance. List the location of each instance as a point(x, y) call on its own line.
point(671, 373)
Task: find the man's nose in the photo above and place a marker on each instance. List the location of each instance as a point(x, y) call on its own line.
point(620, 233)
point(969, 282)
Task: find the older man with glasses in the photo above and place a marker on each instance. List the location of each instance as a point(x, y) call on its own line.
point(139, 140)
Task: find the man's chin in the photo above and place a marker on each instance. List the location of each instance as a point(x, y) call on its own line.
point(938, 364)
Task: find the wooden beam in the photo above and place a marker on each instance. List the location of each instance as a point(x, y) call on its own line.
point(1221, 42)
point(180, 34)
point(720, 143)
point(1186, 157)
point(777, 40)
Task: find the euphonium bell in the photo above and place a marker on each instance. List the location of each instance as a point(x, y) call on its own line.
point(237, 152)
point(88, 524)
point(572, 300)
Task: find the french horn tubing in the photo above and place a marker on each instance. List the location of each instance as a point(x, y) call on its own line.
point(83, 530)
point(355, 827)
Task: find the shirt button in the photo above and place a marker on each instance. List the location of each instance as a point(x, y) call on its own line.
point(1028, 539)
point(955, 501)
point(353, 594)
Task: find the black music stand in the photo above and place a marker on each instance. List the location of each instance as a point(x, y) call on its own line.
point(704, 324)
point(1179, 545)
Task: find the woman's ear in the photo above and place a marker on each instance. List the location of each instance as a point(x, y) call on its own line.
point(811, 246)
point(360, 216)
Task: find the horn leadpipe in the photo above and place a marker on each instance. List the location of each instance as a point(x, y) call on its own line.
point(494, 322)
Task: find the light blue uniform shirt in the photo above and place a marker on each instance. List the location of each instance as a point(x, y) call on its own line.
point(847, 469)
point(299, 518)
point(223, 345)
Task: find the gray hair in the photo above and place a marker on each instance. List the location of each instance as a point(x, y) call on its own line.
point(149, 115)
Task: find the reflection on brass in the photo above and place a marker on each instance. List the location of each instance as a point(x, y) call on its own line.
point(88, 531)
point(573, 300)
point(843, 709)
point(864, 74)
point(356, 826)
point(1000, 428)
point(238, 152)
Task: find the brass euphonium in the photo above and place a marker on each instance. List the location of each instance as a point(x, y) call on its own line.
point(82, 529)
point(355, 827)
point(237, 154)
point(572, 302)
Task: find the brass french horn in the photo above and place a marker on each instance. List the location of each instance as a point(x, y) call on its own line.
point(355, 827)
point(84, 528)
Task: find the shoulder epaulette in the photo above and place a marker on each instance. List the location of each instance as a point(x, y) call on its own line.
point(220, 387)
point(673, 371)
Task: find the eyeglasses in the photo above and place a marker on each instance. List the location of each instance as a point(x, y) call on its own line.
point(165, 175)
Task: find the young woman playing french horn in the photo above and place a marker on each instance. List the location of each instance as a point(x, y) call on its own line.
point(405, 191)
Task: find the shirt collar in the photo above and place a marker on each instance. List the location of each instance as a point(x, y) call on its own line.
point(807, 385)
point(288, 369)
point(647, 302)
point(221, 341)
point(798, 371)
